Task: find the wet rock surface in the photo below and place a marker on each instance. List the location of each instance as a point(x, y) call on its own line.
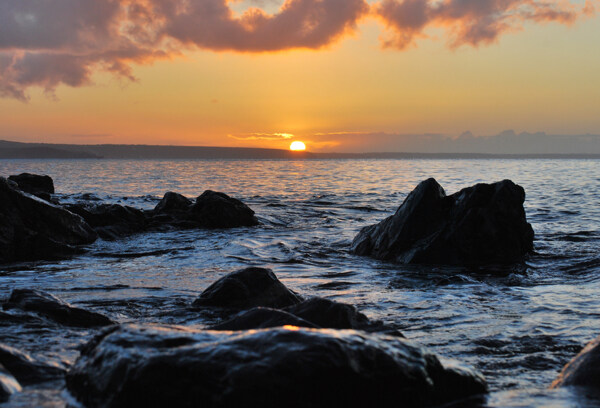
point(135, 365)
point(26, 369)
point(583, 370)
point(217, 210)
point(32, 229)
point(34, 184)
point(8, 384)
point(173, 203)
point(247, 288)
point(111, 221)
point(54, 309)
point(330, 314)
point(262, 318)
point(483, 224)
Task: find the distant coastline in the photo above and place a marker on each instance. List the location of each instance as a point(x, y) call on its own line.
point(19, 150)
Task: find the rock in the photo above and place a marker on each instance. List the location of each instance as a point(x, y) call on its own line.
point(247, 288)
point(53, 308)
point(138, 366)
point(483, 224)
point(327, 313)
point(34, 184)
point(8, 385)
point(583, 370)
point(32, 229)
point(218, 210)
point(25, 369)
point(173, 202)
point(262, 318)
point(111, 221)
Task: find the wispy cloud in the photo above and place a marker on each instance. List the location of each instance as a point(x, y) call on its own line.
point(261, 136)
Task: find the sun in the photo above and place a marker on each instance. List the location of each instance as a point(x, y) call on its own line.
point(297, 146)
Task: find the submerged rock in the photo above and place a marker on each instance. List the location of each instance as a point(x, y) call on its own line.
point(32, 229)
point(55, 309)
point(262, 318)
point(137, 366)
point(483, 224)
point(111, 221)
point(8, 384)
point(34, 184)
point(25, 369)
point(218, 210)
point(583, 370)
point(247, 288)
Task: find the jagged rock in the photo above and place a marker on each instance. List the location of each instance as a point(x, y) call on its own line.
point(262, 318)
point(55, 309)
point(32, 229)
point(34, 184)
point(218, 210)
point(111, 221)
point(483, 224)
point(25, 369)
point(247, 288)
point(173, 202)
point(138, 366)
point(583, 370)
point(8, 385)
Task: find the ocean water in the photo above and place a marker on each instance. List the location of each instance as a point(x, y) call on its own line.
point(518, 325)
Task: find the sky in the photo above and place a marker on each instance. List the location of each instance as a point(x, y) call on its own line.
point(340, 75)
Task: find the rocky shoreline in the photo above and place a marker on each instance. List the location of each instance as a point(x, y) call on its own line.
point(271, 344)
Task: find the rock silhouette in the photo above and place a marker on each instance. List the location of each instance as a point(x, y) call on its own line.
point(146, 365)
point(32, 229)
point(483, 224)
point(55, 309)
point(41, 186)
point(248, 288)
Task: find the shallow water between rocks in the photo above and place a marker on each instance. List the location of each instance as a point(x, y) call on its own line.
point(518, 325)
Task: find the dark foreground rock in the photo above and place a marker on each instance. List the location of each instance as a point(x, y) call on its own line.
point(483, 224)
point(217, 210)
point(138, 366)
point(111, 221)
point(55, 309)
point(32, 229)
point(8, 384)
point(41, 186)
point(583, 370)
point(247, 288)
point(26, 369)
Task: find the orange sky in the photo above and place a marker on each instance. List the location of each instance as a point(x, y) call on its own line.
point(260, 79)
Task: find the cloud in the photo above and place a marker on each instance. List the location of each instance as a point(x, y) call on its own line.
point(262, 136)
point(470, 22)
point(64, 42)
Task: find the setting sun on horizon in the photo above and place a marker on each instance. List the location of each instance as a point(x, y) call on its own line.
point(297, 146)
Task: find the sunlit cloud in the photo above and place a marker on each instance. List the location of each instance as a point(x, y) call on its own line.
point(46, 44)
point(261, 136)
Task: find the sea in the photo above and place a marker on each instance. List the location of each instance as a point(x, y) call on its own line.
point(518, 325)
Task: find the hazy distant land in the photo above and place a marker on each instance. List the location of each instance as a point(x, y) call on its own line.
point(466, 146)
